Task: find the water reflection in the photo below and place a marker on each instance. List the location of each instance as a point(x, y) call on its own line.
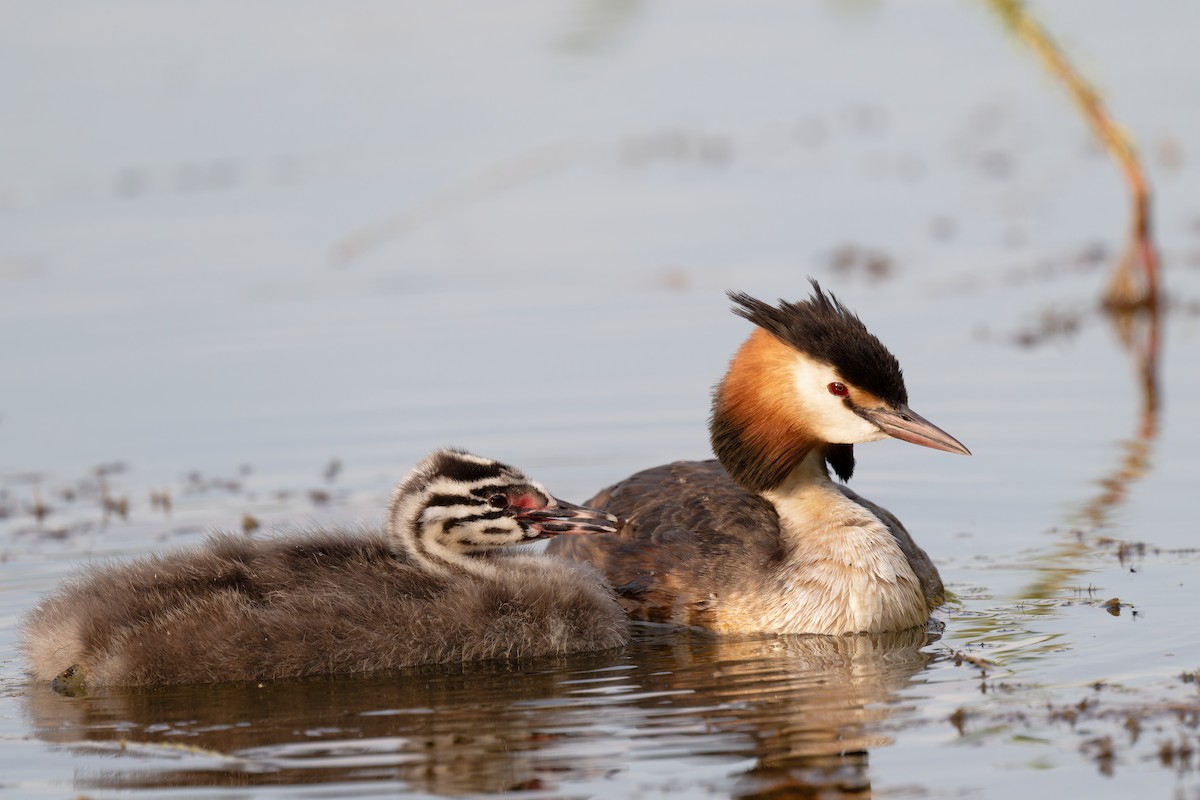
point(804, 711)
point(1059, 573)
point(1139, 333)
point(809, 708)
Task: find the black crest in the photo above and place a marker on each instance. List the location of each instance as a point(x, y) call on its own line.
point(827, 331)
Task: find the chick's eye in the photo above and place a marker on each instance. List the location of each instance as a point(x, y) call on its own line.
point(498, 501)
point(838, 389)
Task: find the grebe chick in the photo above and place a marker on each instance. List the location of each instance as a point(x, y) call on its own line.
point(764, 541)
point(432, 588)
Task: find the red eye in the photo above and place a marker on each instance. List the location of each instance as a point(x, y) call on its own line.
point(838, 389)
point(498, 501)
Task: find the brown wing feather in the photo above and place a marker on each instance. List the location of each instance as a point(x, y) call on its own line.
point(673, 553)
point(689, 532)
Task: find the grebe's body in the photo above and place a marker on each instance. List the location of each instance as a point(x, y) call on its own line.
point(431, 589)
point(763, 540)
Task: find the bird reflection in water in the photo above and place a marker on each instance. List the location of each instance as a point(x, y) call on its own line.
point(806, 709)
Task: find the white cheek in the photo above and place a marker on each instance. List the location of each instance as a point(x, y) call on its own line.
point(850, 428)
point(825, 413)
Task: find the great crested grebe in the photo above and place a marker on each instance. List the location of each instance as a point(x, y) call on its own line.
point(429, 589)
point(764, 541)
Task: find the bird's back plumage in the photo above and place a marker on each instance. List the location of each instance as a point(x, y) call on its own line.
point(673, 541)
point(328, 603)
point(696, 549)
point(437, 585)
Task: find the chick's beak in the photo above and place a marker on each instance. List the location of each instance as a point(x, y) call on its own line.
point(564, 517)
point(902, 422)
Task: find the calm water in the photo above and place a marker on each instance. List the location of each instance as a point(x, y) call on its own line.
point(240, 244)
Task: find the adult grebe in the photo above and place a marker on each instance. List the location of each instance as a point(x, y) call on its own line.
point(764, 541)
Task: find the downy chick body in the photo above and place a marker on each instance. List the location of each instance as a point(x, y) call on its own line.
point(434, 587)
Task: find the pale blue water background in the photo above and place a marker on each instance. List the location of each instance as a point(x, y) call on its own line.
point(550, 201)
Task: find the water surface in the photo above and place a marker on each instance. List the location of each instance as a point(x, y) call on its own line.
point(261, 259)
